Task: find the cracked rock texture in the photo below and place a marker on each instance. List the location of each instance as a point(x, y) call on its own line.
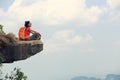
point(11, 49)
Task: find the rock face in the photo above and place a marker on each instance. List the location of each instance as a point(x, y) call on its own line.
point(20, 50)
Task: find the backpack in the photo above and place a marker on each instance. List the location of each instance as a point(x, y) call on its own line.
point(21, 33)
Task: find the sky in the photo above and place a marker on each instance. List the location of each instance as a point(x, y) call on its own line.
point(81, 37)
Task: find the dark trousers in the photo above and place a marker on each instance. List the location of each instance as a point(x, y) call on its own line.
point(35, 36)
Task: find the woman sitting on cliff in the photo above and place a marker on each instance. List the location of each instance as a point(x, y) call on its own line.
point(25, 31)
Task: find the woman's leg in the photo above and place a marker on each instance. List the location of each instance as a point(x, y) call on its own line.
point(35, 36)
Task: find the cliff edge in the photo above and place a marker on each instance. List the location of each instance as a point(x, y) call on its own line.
point(12, 49)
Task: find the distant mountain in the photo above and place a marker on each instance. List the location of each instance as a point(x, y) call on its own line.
point(85, 78)
point(108, 77)
point(80, 78)
point(112, 77)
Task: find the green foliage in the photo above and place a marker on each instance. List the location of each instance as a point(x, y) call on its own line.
point(16, 74)
point(1, 29)
point(1, 60)
point(1, 26)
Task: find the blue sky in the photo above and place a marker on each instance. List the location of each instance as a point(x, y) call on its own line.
point(96, 2)
point(5, 4)
point(81, 37)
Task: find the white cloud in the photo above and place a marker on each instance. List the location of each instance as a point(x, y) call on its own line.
point(67, 36)
point(90, 15)
point(113, 3)
point(54, 12)
point(50, 11)
point(65, 39)
point(70, 37)
point(111, 11)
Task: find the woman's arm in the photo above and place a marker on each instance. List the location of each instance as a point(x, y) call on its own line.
point(32, 31)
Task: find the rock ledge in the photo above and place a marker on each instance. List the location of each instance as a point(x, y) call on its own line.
point(20, 50)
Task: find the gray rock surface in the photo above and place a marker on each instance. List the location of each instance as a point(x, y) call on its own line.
point(21, 50)
point(14, 50)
